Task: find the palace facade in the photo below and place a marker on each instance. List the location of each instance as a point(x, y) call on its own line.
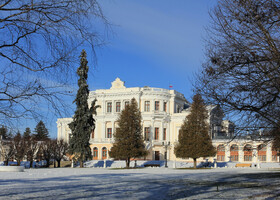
point(163, 112)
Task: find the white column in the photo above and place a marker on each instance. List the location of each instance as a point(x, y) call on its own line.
point(103, 134)
point(227, 152)
point(240, 153)
point(269, 152)
point(255, 153)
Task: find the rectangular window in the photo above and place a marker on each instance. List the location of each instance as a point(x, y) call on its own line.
point(109, 107)
point(147, 106)
point(146, 133)
point(118, 106)
point(164, 106)
point(220, 158)
point(156, 133)
point(109, 132)
point(234, 158)
point(164, 134)
point(262, 158)
point(247, 158)
point(156, 105)
point(274, 158)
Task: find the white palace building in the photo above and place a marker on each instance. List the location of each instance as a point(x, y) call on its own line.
point(163, 112)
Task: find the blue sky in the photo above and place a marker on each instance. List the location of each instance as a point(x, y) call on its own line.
point(151, 43)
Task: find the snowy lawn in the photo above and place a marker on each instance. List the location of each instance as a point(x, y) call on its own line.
point(148, 183)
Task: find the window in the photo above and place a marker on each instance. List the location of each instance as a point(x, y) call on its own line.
point(109, 132)
point(234, 152)
point(262, 152)
point(109, 107)
point(164, 134)
point(104, 153)
point(156, 105)
point(146, 133)
point(274, 154)
point(156, 133)
point(95, 153)
point(164, 106)
point(147, 106)
point(118, 106)
point(248, 152)
point(221, 153)
point(126, 103)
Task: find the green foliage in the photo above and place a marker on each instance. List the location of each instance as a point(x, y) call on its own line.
point(41, 132)
point(83, 122)
point(194, 141)
point(129, 142)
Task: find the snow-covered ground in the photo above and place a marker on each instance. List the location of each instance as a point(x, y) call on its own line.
point(147, 183)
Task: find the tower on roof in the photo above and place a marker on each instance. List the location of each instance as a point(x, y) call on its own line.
point(118, 84)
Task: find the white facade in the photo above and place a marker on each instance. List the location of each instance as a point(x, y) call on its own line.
point(163, 112)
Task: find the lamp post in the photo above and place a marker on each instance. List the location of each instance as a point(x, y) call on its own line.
point(165, 144)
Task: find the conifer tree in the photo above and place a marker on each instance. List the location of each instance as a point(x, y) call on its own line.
point(129, 141)
point(41, 132)
point(194, 141)
point(27, 133)
point(83, 122)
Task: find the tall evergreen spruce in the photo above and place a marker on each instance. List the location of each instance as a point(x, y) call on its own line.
point(194, 141)
point(129, 141)
point(41, 132)
point(83, 122)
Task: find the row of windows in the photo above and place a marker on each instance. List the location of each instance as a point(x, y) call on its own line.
point(109, 133)
point(104, 153)
point(117, 108)
point(146, 106)
point(246, 158)
point(247, 147)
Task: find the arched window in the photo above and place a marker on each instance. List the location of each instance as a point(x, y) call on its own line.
point(234, 152)
point(221, 153)
point(95, 153)
point(104, 153)
point(262, 152)
point(248, 152)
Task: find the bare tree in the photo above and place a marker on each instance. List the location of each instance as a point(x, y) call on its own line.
point(61, 147)
point(242, 72)
point(46, 150)
point(37, 44)
point(7, 150)
point(32, 147)
point(19, 148)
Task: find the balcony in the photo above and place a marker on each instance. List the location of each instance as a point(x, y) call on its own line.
point(102, 140)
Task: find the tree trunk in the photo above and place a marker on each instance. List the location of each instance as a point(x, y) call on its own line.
point(48, 163)
point(194, 163)
point(127, 161)
point(58, 163)
point(31, 163)
point(54, 164)
point(81, 163)
point(18, 162)
point(6, 162)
